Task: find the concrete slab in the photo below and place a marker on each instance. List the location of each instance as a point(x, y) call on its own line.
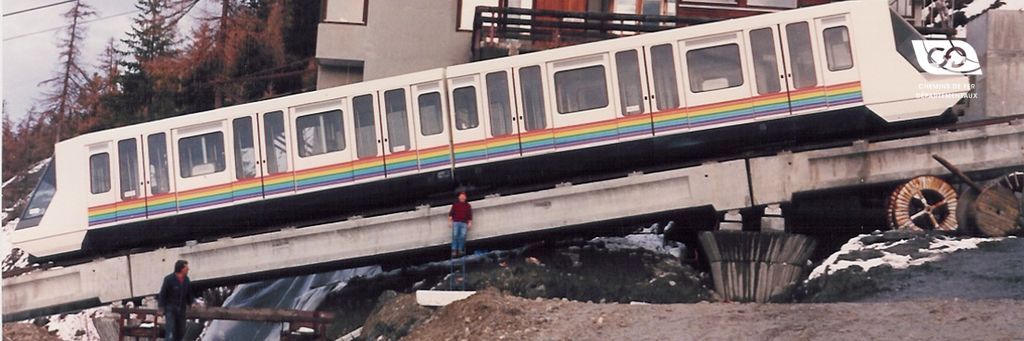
point(440, 298)
point(776, 178)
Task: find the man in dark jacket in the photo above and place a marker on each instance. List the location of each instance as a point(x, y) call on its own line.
point(461, 219)
point(175, 296)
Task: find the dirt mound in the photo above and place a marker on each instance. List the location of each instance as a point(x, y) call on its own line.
point(487, 315)
point(27, 332)
point(592, 273)
point(490, 315)
point(394, 317)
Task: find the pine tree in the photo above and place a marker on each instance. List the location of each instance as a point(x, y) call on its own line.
point(147, 90)
point(59, 104)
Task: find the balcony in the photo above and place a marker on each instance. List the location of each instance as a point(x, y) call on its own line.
point(503, 31)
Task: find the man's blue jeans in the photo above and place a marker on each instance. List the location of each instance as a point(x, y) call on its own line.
point(459, 236)
point(174, 326)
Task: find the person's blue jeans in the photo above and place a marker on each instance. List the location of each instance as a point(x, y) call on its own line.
point(174, 326)
point(459, 236)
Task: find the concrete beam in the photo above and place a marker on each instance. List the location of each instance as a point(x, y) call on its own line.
point(718, 184)
point(63, 289)
point(776, 178)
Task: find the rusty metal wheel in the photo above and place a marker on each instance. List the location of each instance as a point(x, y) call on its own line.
point(923, 203)
point(1015, 183)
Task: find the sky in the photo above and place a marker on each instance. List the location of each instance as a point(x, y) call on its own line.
point(30, 59)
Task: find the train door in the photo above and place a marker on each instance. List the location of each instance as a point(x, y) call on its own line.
point(202, 178)
point(433, 153)
point(768, 84)
point(131, 204)
point(322, 154)
point(583, 114)
point(248, 173)
point(103, 194)
point(396, 122)
point(715, 79)
point(469, 133)
point(503, 126)
point(839, 72)
point(803, 74)
point(161, 198)
point(369, 164)
point(536, 135)
point(276, 161)
point(665, 97)
point(634, 107)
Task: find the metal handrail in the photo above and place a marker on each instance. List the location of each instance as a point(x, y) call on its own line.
point(549, 28)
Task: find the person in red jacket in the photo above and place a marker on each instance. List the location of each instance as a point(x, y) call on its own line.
point(460, 217)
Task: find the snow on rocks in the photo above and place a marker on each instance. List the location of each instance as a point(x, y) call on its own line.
point(77, 326)
point(894, 249)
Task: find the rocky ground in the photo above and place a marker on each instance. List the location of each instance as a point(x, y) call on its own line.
point(878, 286)
point(490, 315)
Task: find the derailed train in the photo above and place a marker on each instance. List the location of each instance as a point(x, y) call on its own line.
point(577, 113)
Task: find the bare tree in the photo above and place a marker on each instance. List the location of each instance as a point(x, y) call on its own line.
point(59, 103)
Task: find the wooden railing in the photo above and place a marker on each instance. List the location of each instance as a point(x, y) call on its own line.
point(144, 322)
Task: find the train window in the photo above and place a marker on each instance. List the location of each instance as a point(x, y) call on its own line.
point(245, 149)
point(398, 121)
point(99, 173)
point(201, 154)
point(837, 48)
point(762, 48)
point(802, 58)
point(532, 91)
point(581, 89)
point(41, 198)
point(320, 133)
point(627, 69)
point(431, 122)
point(366, 131)
point(276, 142)
point(498, 107)
point(714, 68)
point(128, 166)
point(159, 174)
point(664, 70)
point(904, 35)
point(466, 116)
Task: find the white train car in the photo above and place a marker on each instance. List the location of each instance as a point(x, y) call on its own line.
point(644, 102)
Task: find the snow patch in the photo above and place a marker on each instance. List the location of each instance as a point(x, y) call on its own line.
point(77, 326)
point(937, 249)
point(6, 248)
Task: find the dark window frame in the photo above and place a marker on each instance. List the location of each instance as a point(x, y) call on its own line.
point(92, 187)
point(220, 164)
point(558, 93)
point(690, 69)
point(828, 49)
point(421, 112)
point(323, 116)
point(475, 105)
point(323, 14)
point(153, 181)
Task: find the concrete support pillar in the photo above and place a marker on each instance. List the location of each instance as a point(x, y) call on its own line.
point(772, 220)
point(753, 266)
point(733, 221)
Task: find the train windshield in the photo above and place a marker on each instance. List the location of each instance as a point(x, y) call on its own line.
point(904, 35)
point(41, 197)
